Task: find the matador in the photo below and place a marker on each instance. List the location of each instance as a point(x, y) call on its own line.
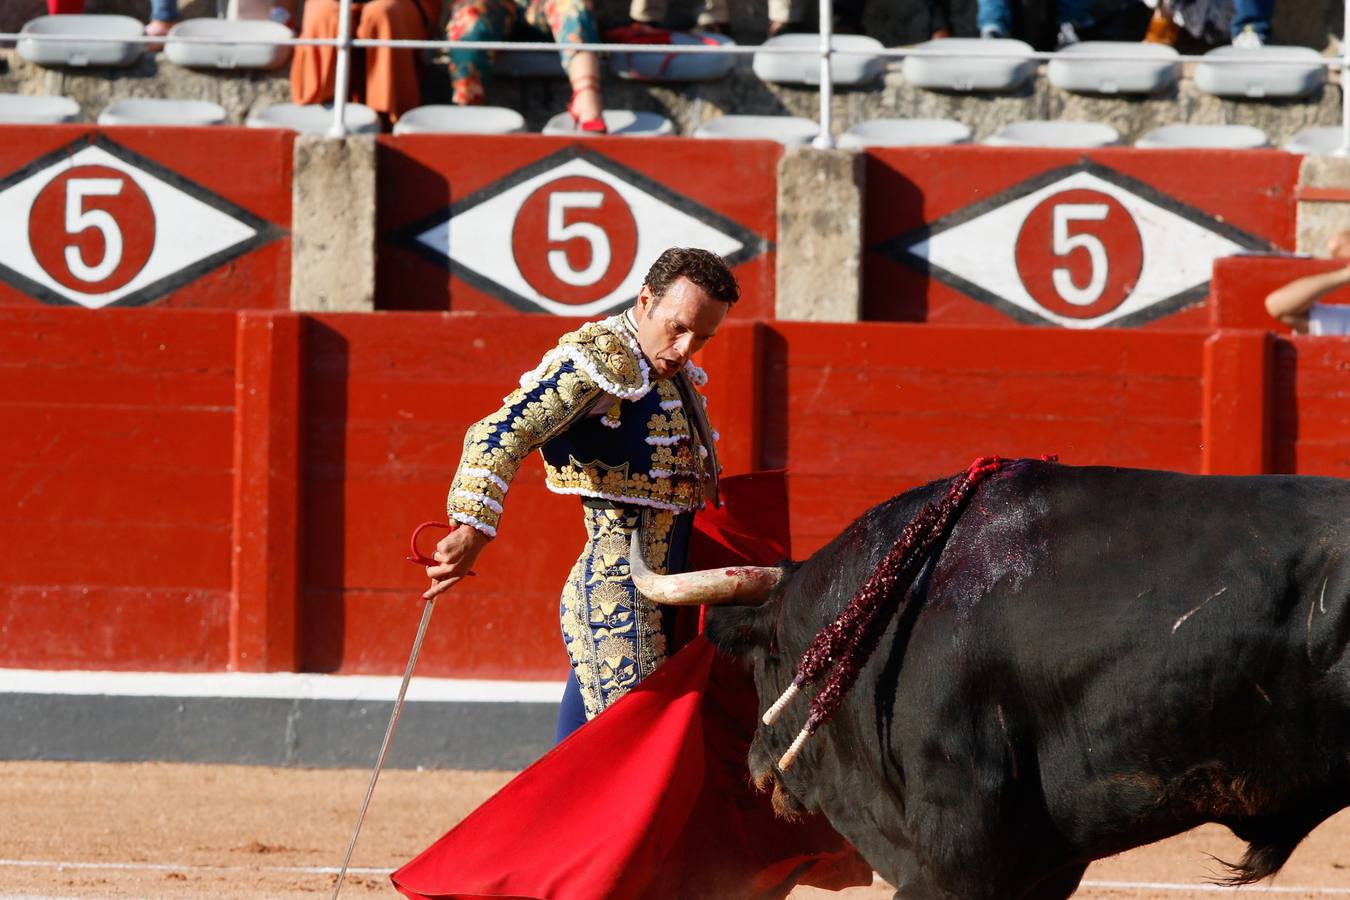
point(616, 413)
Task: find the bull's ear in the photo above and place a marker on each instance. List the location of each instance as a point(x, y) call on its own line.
point(745, 632)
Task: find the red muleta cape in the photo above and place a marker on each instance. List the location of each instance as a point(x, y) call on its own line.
point(651, 799)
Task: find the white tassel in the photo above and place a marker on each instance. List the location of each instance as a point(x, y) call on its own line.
point(771, 714)
point(791, 755)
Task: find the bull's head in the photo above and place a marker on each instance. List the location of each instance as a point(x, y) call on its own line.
point(748, 601)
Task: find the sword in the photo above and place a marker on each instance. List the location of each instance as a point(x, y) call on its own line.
point(414, 557)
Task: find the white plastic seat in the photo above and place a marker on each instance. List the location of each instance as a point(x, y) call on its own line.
point(1040, 133)
point(1152, 68)
point(315, 119)
point(1247, 72)
point(158, 111)
point(528, 64)
point(971, 64)
point(857, 66)
point(241, 53)
point(622, 122)
point(788, 130)
point(33, 48)
point(904, 133)
point(439, 119)
point(1213, 137)
point(26, 109)
point(665, 66)
point(1319, 141)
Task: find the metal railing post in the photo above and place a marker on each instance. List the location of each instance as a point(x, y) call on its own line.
point(343, 75)
point(825, 140)
point(1345, 85)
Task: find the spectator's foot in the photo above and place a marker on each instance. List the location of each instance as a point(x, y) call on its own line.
point(156, 28)
point(587, 114)
point(777, 28)
point(1162, 30)
point(1067, 36)
point(1250, 37)
point(940, 33)
point(992, 32)
point(712, 28)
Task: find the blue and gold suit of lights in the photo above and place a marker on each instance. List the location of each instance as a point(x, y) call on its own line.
point(628, 447)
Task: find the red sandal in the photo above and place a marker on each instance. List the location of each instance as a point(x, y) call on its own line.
point(590, 126)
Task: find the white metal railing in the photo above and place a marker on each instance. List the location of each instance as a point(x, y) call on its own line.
point(344, 43)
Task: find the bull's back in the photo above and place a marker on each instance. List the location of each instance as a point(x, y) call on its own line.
point(1153, 649)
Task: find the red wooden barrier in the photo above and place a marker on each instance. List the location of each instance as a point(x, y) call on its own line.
point(181, 217)
point(209, 490)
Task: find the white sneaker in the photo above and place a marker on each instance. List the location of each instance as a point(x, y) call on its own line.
point(992, 32)
point(1067, 37)
point(1249, 37)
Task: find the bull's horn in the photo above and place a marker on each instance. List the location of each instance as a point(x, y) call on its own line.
point(742, 585)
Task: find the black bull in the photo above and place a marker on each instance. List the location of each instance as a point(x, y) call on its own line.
point(1093, 659)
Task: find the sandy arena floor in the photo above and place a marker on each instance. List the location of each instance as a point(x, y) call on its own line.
point(116, 831)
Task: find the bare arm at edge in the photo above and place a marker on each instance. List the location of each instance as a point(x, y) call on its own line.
point(1290, 304)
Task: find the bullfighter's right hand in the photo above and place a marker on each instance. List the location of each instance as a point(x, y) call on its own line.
point(456, 553)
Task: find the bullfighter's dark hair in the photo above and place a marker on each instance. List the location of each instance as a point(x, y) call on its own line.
point(703, 267)
point(845, 645)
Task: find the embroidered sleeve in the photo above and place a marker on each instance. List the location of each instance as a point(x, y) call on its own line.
point(549, 399)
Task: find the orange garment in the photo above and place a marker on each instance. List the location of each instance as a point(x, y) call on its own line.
point(389, 84)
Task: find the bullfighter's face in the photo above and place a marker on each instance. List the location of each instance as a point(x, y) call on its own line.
point(673, 327)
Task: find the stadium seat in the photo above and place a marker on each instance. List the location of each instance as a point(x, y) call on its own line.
point(1246, 72)
point(33, 48)
point(528, 64)
point(460, 120)
point(1320, 141)
point(1213, 137)
point(315, 119)
point(235, 55)
point(624, 122)
point(25, 109)
point(660, 66)
point(1040, 133)
point(1150, 69)
point(971, 64)
point(904, 133)
point(857, 66)
point(158, 111)
point(789, 130)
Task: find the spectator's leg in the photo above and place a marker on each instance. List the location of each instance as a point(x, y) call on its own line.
point(312, 68)
point(476, 20)
point(391, 75)
point(1075, 12)
point(939, 18)
point(1253, 15)
point(994, 18)
point(573, 22)
point(163, 13)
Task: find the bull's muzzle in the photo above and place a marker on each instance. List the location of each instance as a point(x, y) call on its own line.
point(741, 585)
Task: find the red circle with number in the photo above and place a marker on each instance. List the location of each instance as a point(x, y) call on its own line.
point(575, 240)
point(92, 229)
point(1079, 253)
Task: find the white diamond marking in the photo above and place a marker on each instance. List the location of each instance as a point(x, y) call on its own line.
point(480, 239)
point(186, 229)
point(1178, 254)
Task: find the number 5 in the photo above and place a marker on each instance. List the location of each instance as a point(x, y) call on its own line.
point(1065, 243)
point(559, 231)
point(79, 219)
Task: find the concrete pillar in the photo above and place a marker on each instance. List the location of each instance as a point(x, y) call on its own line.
point(1323, 201)
point(820, 220)
point(333, 224)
